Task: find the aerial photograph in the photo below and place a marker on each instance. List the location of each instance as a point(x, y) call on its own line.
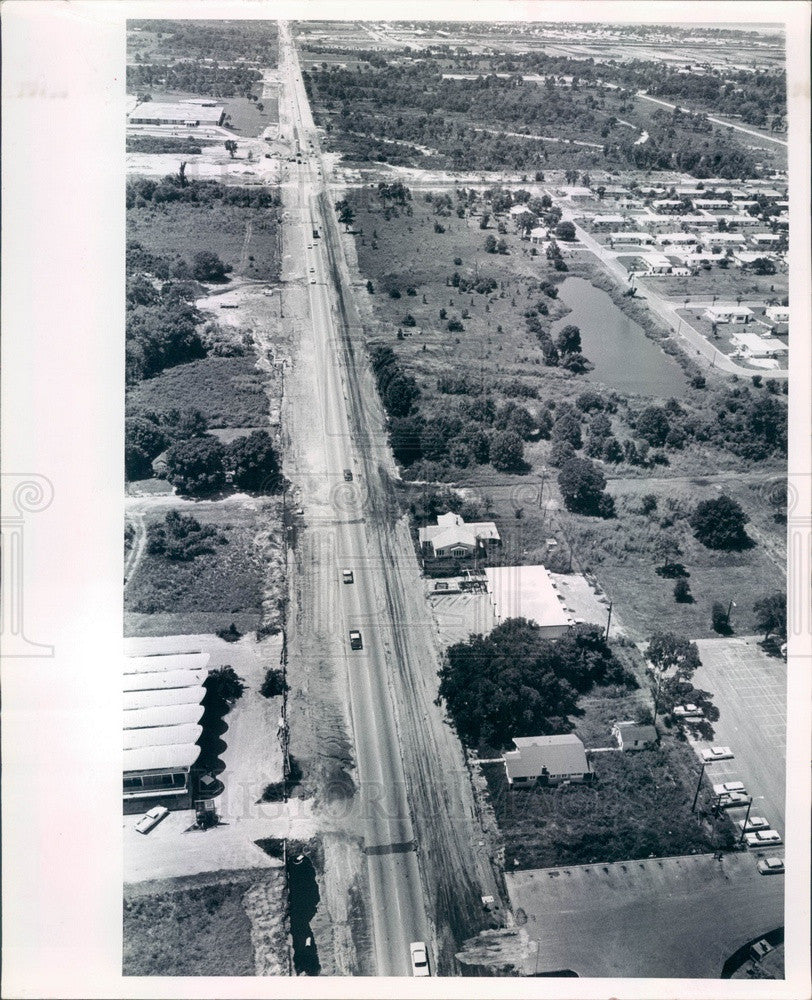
point(455, 514)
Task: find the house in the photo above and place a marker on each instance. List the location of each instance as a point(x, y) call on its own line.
point(778, 314)
point(548, 760)
point(602, 221)
point(453, 538)
point(723, 240)
point(765, 239)
point(728, 314)
point(635, 239)
point(538, 235)
point(577, 193)
point(667, 205)
point(707, 203)
point(751, 345)
point(679, 238)
point(633, 735)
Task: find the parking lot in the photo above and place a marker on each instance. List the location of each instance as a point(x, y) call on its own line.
point(749, 689)
point(662, 917)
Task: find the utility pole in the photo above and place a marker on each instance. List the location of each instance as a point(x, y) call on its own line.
point(699, 785)
point(746, 817)
point(541, 486)
point(727, 616)
point(609, 621)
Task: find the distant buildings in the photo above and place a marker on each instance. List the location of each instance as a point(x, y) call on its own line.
point(548, 760)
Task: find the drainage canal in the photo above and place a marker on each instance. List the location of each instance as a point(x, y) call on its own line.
point(303, 901)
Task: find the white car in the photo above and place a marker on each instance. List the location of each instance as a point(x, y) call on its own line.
point(730, 786)
point(420, 959)
point(760, 838)
point(688, 712)
point(771, 866)
point(729, 800)
point(710, 754)
point(754, 823)
point(151, 819)
point(347, 576)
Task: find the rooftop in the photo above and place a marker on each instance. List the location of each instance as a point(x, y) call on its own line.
point(560, 755)
point(526, 592)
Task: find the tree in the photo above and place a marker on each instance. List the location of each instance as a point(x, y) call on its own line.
point(255, 462)
point(719, 619)
point(274, 684)
point(771, 615)
point(719, 524)
point(763, 265)
point(507, 451)
point(612, 452)
point(181, 537)
point(682, 591)
point(196, 466)
point(648, 503)
point(400, 394)
point(345, 213)
point(569, 340)
point(565, 231)
point(560, 453)
point(653, 425)
point(207, 266)
point(673, 661)
point(225, 684)
point(581, 484)
point(370, 288)
point(490, 243)
point(567, 428)
point(144, 440)
point(231, 146)
point(404, 436)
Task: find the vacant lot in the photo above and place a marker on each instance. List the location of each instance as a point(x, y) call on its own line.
point(245, 238)
point(639, 806)
point(226, 583)
point(199, 925)
point(229, 392)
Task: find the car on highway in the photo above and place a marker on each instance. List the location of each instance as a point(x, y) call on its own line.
point(760, 950)
point(771, 866)
point(347, 476)
point(151, 819)
point(729, 786)
point(760, 838)
point(420, 959)
point(754, 823)
point(356, 642)
point(688, 712)
point(346, 576)
point(312, 281)
point(710, 754)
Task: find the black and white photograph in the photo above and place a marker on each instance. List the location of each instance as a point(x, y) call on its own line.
point(453, 507)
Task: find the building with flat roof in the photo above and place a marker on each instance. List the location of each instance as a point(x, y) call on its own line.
point(728, 314)
point(528, 592)
point(548, 760)
point(635, 239)
point(751, 345)
point(182, 113)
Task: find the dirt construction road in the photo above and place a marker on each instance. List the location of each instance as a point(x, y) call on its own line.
point(412, 811)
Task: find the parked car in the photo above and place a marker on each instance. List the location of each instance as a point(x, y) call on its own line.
point(347, 475)
point(151, 819)
point(356, 642)
point(760, 838)
point(717, 753)
point(420, 959)
point(688, 712)
point(729, 800)
point(754, 823)
point(771, 866)
point(729, 786)
point(347, 576)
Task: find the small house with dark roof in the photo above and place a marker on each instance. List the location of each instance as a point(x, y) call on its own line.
point(548, 760)
point(634, 735)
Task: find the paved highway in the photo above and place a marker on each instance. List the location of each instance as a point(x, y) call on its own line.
point(420, 836)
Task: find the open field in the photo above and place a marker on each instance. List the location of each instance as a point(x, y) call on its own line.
point(244, 238)
point(227, 581)
point(725, 283)
point(638, 806)
point(229, 392)
point(671, 917)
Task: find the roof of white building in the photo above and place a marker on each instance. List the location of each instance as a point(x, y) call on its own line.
point(560, 755)
point(526, 592)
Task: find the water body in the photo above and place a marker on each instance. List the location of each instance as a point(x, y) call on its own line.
point(623, 356)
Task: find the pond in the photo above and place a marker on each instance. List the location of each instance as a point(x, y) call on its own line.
point(624, 357)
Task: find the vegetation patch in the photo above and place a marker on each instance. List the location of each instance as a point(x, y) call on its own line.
point(638, 806)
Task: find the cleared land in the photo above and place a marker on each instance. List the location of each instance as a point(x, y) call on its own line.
point(638, 806)
point(671, 917)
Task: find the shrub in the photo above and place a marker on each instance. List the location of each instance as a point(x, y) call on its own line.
point(682, 592)
point(196, 466)
point(254, 462)
point(507, 451)
point(224, 683)
point(274, 683)
point(207, 266)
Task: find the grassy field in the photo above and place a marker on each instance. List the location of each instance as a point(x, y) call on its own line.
point(638, 806)
point(227, 581)
point(725, 283)
point(189, 927)
point(235, 234)
point(229, 392)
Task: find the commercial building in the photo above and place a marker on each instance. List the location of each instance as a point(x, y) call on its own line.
point(163, 697)
point(528, 592)
point(185, 113)
point(548, 760)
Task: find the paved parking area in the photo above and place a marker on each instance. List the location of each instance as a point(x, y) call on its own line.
point(460, 615)
point(662, 917)
point(749, 689)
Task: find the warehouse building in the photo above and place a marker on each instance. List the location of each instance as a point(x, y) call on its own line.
point(528, 592)
point(186, 113)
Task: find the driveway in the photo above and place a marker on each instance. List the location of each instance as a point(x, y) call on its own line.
point(750, 690)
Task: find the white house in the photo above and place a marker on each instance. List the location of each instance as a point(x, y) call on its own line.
point(635, 239)
point(728, 314)
point(633, 735)
point(577, 193)
point(764, 239)
point(678, 238)
point(453, 538)
point(707, 203)
point(548, 760)
point(538, 235)
point(751, 345)
point(778, 314)
point(603, 221)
